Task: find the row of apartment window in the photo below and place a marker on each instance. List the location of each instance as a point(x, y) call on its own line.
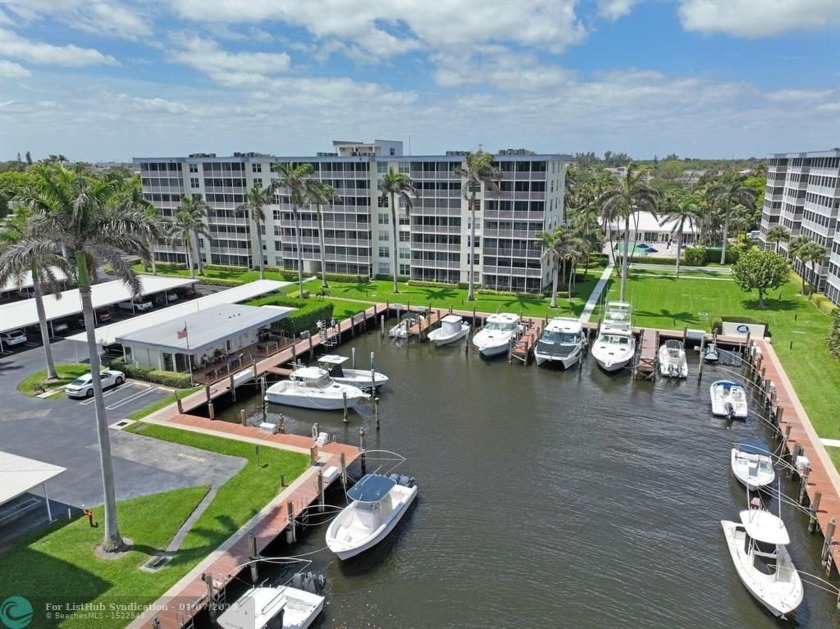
point(835, 247)
point(821, 240)
point(515, 206)
point(825, 162)
point(797, 177)
point(820, 219)
point(163, 182)
point(513, 263)
point(162, 198)
point(217, 228)
point(817, 180)
point(161, 166)
point(821, 199)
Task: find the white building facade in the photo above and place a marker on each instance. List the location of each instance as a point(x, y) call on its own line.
point(433, 240)
point(803, 195)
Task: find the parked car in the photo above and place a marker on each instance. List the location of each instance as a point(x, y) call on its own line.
point(138, 305)
point(13, 337)
point(101, 316)
point(83, 385)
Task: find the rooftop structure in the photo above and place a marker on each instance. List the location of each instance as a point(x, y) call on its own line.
point(19, 475)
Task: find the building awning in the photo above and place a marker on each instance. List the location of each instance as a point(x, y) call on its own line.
point(19, 474)
point(20, 314)
point(201, 331)
point(107, 334)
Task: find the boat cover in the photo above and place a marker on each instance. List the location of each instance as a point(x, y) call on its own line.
point(371, 488)
point(754, 446)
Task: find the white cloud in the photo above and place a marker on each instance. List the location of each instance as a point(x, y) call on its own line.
point(225, 67)
point(751, 18)
point(786, 96)
point(615, 9)
point(11, 45)
point(154, 104)
point(497, 66)
point(108, 18)
point(9, 70)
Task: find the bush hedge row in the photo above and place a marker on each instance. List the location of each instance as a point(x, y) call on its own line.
point(166, 378)
point(305, 317)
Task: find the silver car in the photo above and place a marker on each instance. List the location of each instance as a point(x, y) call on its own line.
point(83, 385)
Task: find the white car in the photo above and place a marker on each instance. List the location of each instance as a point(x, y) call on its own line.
point(138, 305)
point(83, 385)
point(13, 337)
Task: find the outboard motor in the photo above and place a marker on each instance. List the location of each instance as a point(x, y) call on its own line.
point(730, 411)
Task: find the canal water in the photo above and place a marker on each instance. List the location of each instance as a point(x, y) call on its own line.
point(548, 498)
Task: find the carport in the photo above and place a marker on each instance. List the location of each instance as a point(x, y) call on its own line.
point(19, 475)
point(21, 314)
point(27, 283)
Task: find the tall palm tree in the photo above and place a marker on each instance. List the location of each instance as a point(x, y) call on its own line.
point(626, 196)
point(184, 227)
point(79, 212)
point(813, 255)
point(727, 192)
point(322, 194)
point(130, 192)
point(680, 210)
point(255, 200)
point(21, 254)
point(777, 234)
point(559, 247)
point(393, 185)
point(294, 179)
point(198, 210)
point(478, 169)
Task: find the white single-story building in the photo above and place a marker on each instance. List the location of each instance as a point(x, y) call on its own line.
point(214, 335)
point(645, 228)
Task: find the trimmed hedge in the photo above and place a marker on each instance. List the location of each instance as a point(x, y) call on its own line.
point(225, 269)
point(695, 256)
point(166, 378)
point(425, 284)
point(304, 319)
point(652, 260)
point(732, 255)
point(215, 281)
point(717, 322)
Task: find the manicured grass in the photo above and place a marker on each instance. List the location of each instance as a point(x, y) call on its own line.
point(60, 566)
point(239, 276)
point(36, 383)
point(798, 329)
point(156, 406)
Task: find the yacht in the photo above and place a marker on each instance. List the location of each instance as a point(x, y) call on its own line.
point(672, 360)
point(562, 342)
point(499, 331)
point(365, 379)
point(615, 346)
point(312, 387)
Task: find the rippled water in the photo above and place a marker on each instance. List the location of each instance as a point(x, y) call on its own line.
point(549, 499)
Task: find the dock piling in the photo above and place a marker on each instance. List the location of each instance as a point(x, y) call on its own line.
point(211, 596)
point(342, 459)
point(253, 556)
point(344, 402)
point(291, 534)
point(815, 507)
point(320, 491)
point(211, 409)
point(363, 448)
point(376, 411)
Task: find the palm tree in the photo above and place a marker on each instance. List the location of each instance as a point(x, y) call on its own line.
point(626, 196)
point(322, 194)
point(130, 192)
point(559, 247)
point(184, 227)
point(294, 178)
point(478, 169)
point(395, 185)
point(198, 209)
point(680, 210)
point(79, 213)
point(777, 234)
point(729, 191)
point(255, 200)
point(21, 254)
point(813, 255)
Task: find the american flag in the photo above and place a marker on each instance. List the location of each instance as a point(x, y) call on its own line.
point(182, 334)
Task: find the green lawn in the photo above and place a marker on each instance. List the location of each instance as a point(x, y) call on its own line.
point(36, 382)
point(798, 329)
point(61, 566)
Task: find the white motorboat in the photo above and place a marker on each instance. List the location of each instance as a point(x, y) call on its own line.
point(757, 545)
point(615, 346)
point(752, 465)
point(562, 342)
point(365, 379)
point(452, 328)
point(672, 360)
point(729, 399)
point(312, 387)
point(711, 354)
point(377, 504)
point(263, 607)
point(407, 320)
point(497, 334)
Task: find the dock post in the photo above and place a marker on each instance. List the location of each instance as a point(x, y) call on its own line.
point(320, 491)
point(232, 388)
point(353, 358)
point(211, 410)
point(282, 425)
point(294, 353)
point(344, 402)
point(376, 411)
point(785, 441)
point(253, 556)
point(702, 347)
point(178, 401)
point(382, 325)
point(803, 483)
point(815, 507)
point(342, 459)
point(291, 534)
point(313, 455)
point(778, 416)
point(825, 554)
point(207, 393)
point(363, 447)
point(211, 595)
point(242, 419)
point(311, 349)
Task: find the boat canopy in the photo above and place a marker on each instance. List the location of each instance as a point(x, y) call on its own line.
point(371, 488)
point(453, 319)
point(673, 344)
point(754, 446)
point(333, 359)
point(765, 527)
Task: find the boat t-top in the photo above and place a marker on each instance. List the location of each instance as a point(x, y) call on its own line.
point(499, 331)
point(365, 379)
point(757, 545)
point(452, 328)
point(729, 399)
point(407, 320)
point(562, 342)
point(312, 387)
point(615, 346)
point(672, 360)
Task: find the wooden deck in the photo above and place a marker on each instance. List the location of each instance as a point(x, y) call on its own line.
point(648, 347)
point(521, 350)
point(425, 324)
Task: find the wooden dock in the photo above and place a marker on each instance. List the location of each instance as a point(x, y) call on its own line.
point(646, 356)
point(521, 349)
point(425, 324)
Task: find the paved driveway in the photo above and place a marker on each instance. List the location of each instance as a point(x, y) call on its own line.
point(63, 432)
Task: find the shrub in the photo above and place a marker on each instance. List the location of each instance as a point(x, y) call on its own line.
point(652, 260)
point(157, 376)
point(732, 255)
point(214, 281)
point(424, 284)
point(695, 256)
point(350, 279)
point(305, 317)
point(225, 269)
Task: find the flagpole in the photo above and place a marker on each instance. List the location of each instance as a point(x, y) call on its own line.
point(189, 356)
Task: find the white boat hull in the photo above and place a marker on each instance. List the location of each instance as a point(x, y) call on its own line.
point(332, 401)
point(728, 401)
point(348, 537)
point(749, 471)
point(779, 595)
point(361, 379)
point(259, 605)
point(447, 339)
point(490, 350)
point(567, 361)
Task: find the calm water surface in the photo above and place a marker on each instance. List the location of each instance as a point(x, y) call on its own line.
point(549, 499)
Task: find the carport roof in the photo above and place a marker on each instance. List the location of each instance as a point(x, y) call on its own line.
point(27, 280)
point(20, 314)
point(205, 329)
point(19, 474)
point(107, 334)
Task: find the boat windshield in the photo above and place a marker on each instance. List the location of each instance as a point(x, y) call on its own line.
point(502, 326)
point(615, 339)
point(561, 338)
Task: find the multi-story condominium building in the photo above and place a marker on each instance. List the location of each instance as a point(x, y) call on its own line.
point(433, 238)
point(803, 195)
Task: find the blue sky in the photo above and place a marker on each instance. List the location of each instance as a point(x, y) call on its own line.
point(103, 80)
